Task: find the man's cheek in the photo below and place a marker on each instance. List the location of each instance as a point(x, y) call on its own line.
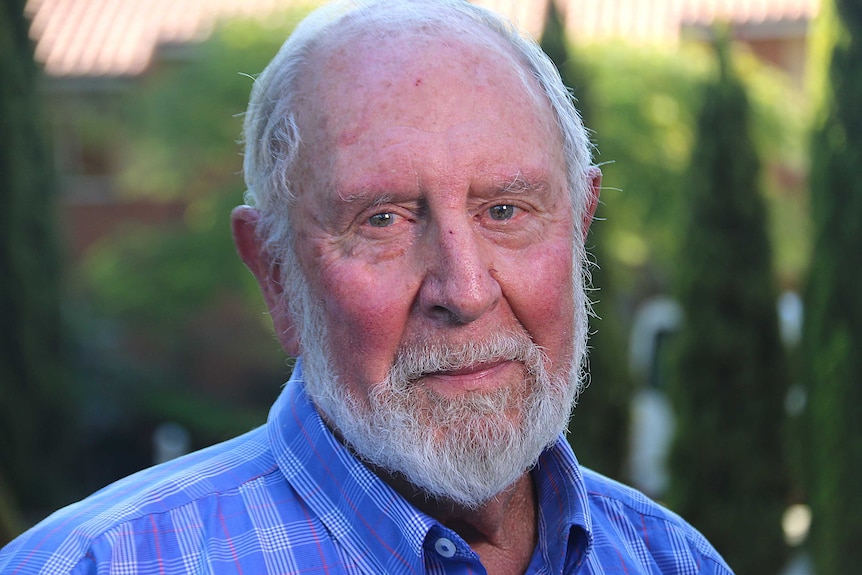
point(365, 330)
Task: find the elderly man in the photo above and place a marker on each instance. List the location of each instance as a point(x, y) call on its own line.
point(422, 189)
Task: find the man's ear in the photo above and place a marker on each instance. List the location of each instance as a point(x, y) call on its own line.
point(256, 257)
point(594, 175)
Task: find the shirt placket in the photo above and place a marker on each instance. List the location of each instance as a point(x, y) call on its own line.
point(446, 552)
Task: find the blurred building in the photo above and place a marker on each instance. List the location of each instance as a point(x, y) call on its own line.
point(116, 38)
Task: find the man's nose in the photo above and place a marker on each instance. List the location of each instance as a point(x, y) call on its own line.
point(460, 283)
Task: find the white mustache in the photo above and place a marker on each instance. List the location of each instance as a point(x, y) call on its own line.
point(415, 361)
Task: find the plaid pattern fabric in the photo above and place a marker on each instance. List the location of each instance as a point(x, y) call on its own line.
point(288, 498)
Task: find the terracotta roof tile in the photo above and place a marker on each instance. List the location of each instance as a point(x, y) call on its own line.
point(119, 37)
point(662, 20)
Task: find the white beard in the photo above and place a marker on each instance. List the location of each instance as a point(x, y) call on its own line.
point(466, 449)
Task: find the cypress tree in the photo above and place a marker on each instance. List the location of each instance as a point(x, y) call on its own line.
point(554, 42)
point(600, 427)
point(33, 424)
point(832, 332)
point(728, 382)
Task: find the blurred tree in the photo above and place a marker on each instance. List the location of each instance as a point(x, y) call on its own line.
point(599, 430)
point(643, 104)
point(832, 332)
point(729, 378)
point(188, 341)
point(554, 42)
point(184, 117)
point(35, 414)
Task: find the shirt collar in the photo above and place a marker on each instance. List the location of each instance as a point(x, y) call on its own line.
point(565, 525)
point(354, 505)
point(366, 513)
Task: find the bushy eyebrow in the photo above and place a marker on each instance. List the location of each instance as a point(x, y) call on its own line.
point(521, 185)
point(378, 199)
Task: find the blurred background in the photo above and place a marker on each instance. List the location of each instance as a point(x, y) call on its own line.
point(725, 372)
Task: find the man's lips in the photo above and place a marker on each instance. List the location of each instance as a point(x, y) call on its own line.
point(479, 368)
point(479, 377)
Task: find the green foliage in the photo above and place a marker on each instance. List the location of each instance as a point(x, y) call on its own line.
point(184, 119)
point(832, 334)
point(728, 473)
point(643, 108)
point(34, 428)
point(642, 105)
point(156, 278)
point(554, 42)
point(599, 429)
point(181, 124)
point(170, 323)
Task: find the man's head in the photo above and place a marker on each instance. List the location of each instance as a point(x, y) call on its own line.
point(423, 188)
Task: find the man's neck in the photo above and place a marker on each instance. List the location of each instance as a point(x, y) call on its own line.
point(502, 532)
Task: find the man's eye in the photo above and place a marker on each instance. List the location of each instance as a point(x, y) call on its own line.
point(382, 220)
point(502, 212)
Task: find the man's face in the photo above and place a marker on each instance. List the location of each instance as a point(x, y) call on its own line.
point(437, 219)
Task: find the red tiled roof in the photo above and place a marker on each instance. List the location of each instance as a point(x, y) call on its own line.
point(749, 11)
point(119, 37)
point(662, 20)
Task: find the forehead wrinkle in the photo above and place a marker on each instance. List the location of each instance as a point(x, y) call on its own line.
point(337, 49)
point(441, 130)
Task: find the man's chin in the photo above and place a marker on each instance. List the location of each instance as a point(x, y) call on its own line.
point(464, 447)
point(466, 462)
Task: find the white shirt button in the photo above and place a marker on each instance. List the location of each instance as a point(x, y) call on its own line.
point(444, 547)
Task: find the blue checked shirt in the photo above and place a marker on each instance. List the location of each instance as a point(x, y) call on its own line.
point(289, 498)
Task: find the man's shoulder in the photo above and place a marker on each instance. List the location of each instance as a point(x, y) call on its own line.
point(174, 491)
point(623, 517)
